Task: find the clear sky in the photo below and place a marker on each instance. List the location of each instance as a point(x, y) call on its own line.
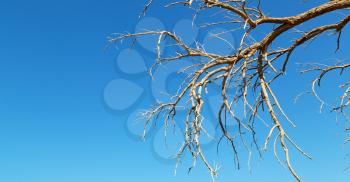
point(68, 104)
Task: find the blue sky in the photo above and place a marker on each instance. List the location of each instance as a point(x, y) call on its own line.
point(59, 119)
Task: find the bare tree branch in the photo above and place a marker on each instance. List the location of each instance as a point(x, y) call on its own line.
point(245, 76)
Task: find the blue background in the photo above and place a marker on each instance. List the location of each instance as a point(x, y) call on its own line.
point(55, 126)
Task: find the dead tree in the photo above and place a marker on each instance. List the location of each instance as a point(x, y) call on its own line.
point(245, 76)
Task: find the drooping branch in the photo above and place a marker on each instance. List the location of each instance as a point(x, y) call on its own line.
point(245, 76)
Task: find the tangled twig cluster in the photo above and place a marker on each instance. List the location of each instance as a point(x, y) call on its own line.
point(244, 76)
